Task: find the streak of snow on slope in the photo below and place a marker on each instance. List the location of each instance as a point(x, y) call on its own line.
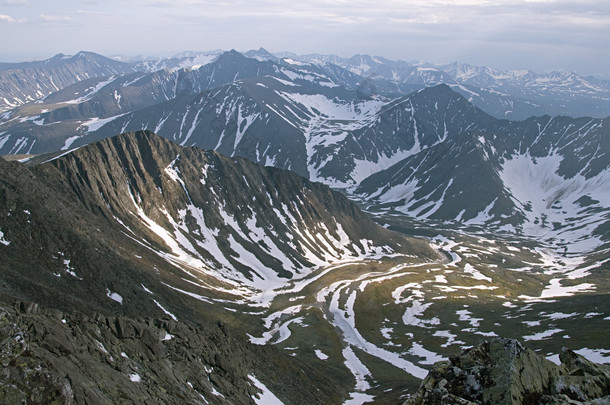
point(96, 123)
point(165, 310)
point(2, 240)
point(243, 122)
point(91, 91)
point(358, 369)
point(321, 355)
point(476, 274)
point(364, 168)
point(70, 141)
point(114, 296)
point(320, 105)
point(265, 397)
point(542, 335)
point(285, 332)
point(430, 357)
point(554, 289)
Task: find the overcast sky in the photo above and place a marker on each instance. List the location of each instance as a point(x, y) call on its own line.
point(540, 35)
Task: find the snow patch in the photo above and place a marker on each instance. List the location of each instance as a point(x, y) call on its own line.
point(2, 240)
point(265, 397)
point(114, 296)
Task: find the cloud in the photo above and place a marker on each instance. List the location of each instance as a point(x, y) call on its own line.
point(55, 18)
point(516, 32)
point(9, 19)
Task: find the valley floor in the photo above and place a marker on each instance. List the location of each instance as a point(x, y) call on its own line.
point(379, 325)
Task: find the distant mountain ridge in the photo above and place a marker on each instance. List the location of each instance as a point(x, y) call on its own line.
point(25, 82)
point(514, 94)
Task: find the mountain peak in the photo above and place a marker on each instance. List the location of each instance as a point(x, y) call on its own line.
point(260, 54)
point(439, 89)
point(231, 56)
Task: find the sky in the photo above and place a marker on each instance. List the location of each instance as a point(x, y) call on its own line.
point(540, 35)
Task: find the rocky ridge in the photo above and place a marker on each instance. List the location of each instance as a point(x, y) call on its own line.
point(503, 371)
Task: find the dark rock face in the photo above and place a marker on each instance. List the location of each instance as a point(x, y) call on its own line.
point(502, 371)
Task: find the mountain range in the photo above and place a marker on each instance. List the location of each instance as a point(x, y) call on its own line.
point(513, 94)
point(416, 153)
point(214, 207)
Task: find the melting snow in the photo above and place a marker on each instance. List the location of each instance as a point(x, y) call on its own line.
point(555, 289)
point(321, 354)
point(165, 310)
point(477, 275)
point(2, 240)
point(114, 296)
point(266, 397)
point(546, 198)
point(542, 335)
point(430, 357)
point(358, 369)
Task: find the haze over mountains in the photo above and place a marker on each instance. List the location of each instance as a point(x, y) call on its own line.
point(177, 223)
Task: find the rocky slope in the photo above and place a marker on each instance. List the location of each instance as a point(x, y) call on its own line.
point(503, 371)
point(50, 356)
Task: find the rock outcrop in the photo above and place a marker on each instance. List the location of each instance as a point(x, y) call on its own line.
point(52, 357)
point(503, 371)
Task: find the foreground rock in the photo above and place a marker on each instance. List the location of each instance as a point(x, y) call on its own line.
point(502, 371)
point(53, 357)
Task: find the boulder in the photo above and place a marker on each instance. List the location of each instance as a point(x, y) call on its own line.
point(504, 372)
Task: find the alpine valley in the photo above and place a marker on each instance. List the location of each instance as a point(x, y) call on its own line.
point(228, 227)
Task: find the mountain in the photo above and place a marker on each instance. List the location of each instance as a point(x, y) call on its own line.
point(543, 177)
point(141, 248)
point(260, 54)
point(416, 153)
point(514, 94)
point(55, 122)
point(329, 134)
point(523, 93)
point(205, 204)
point(431, 154)
point(156, 271)
point(183, 60)
point(25, 82)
